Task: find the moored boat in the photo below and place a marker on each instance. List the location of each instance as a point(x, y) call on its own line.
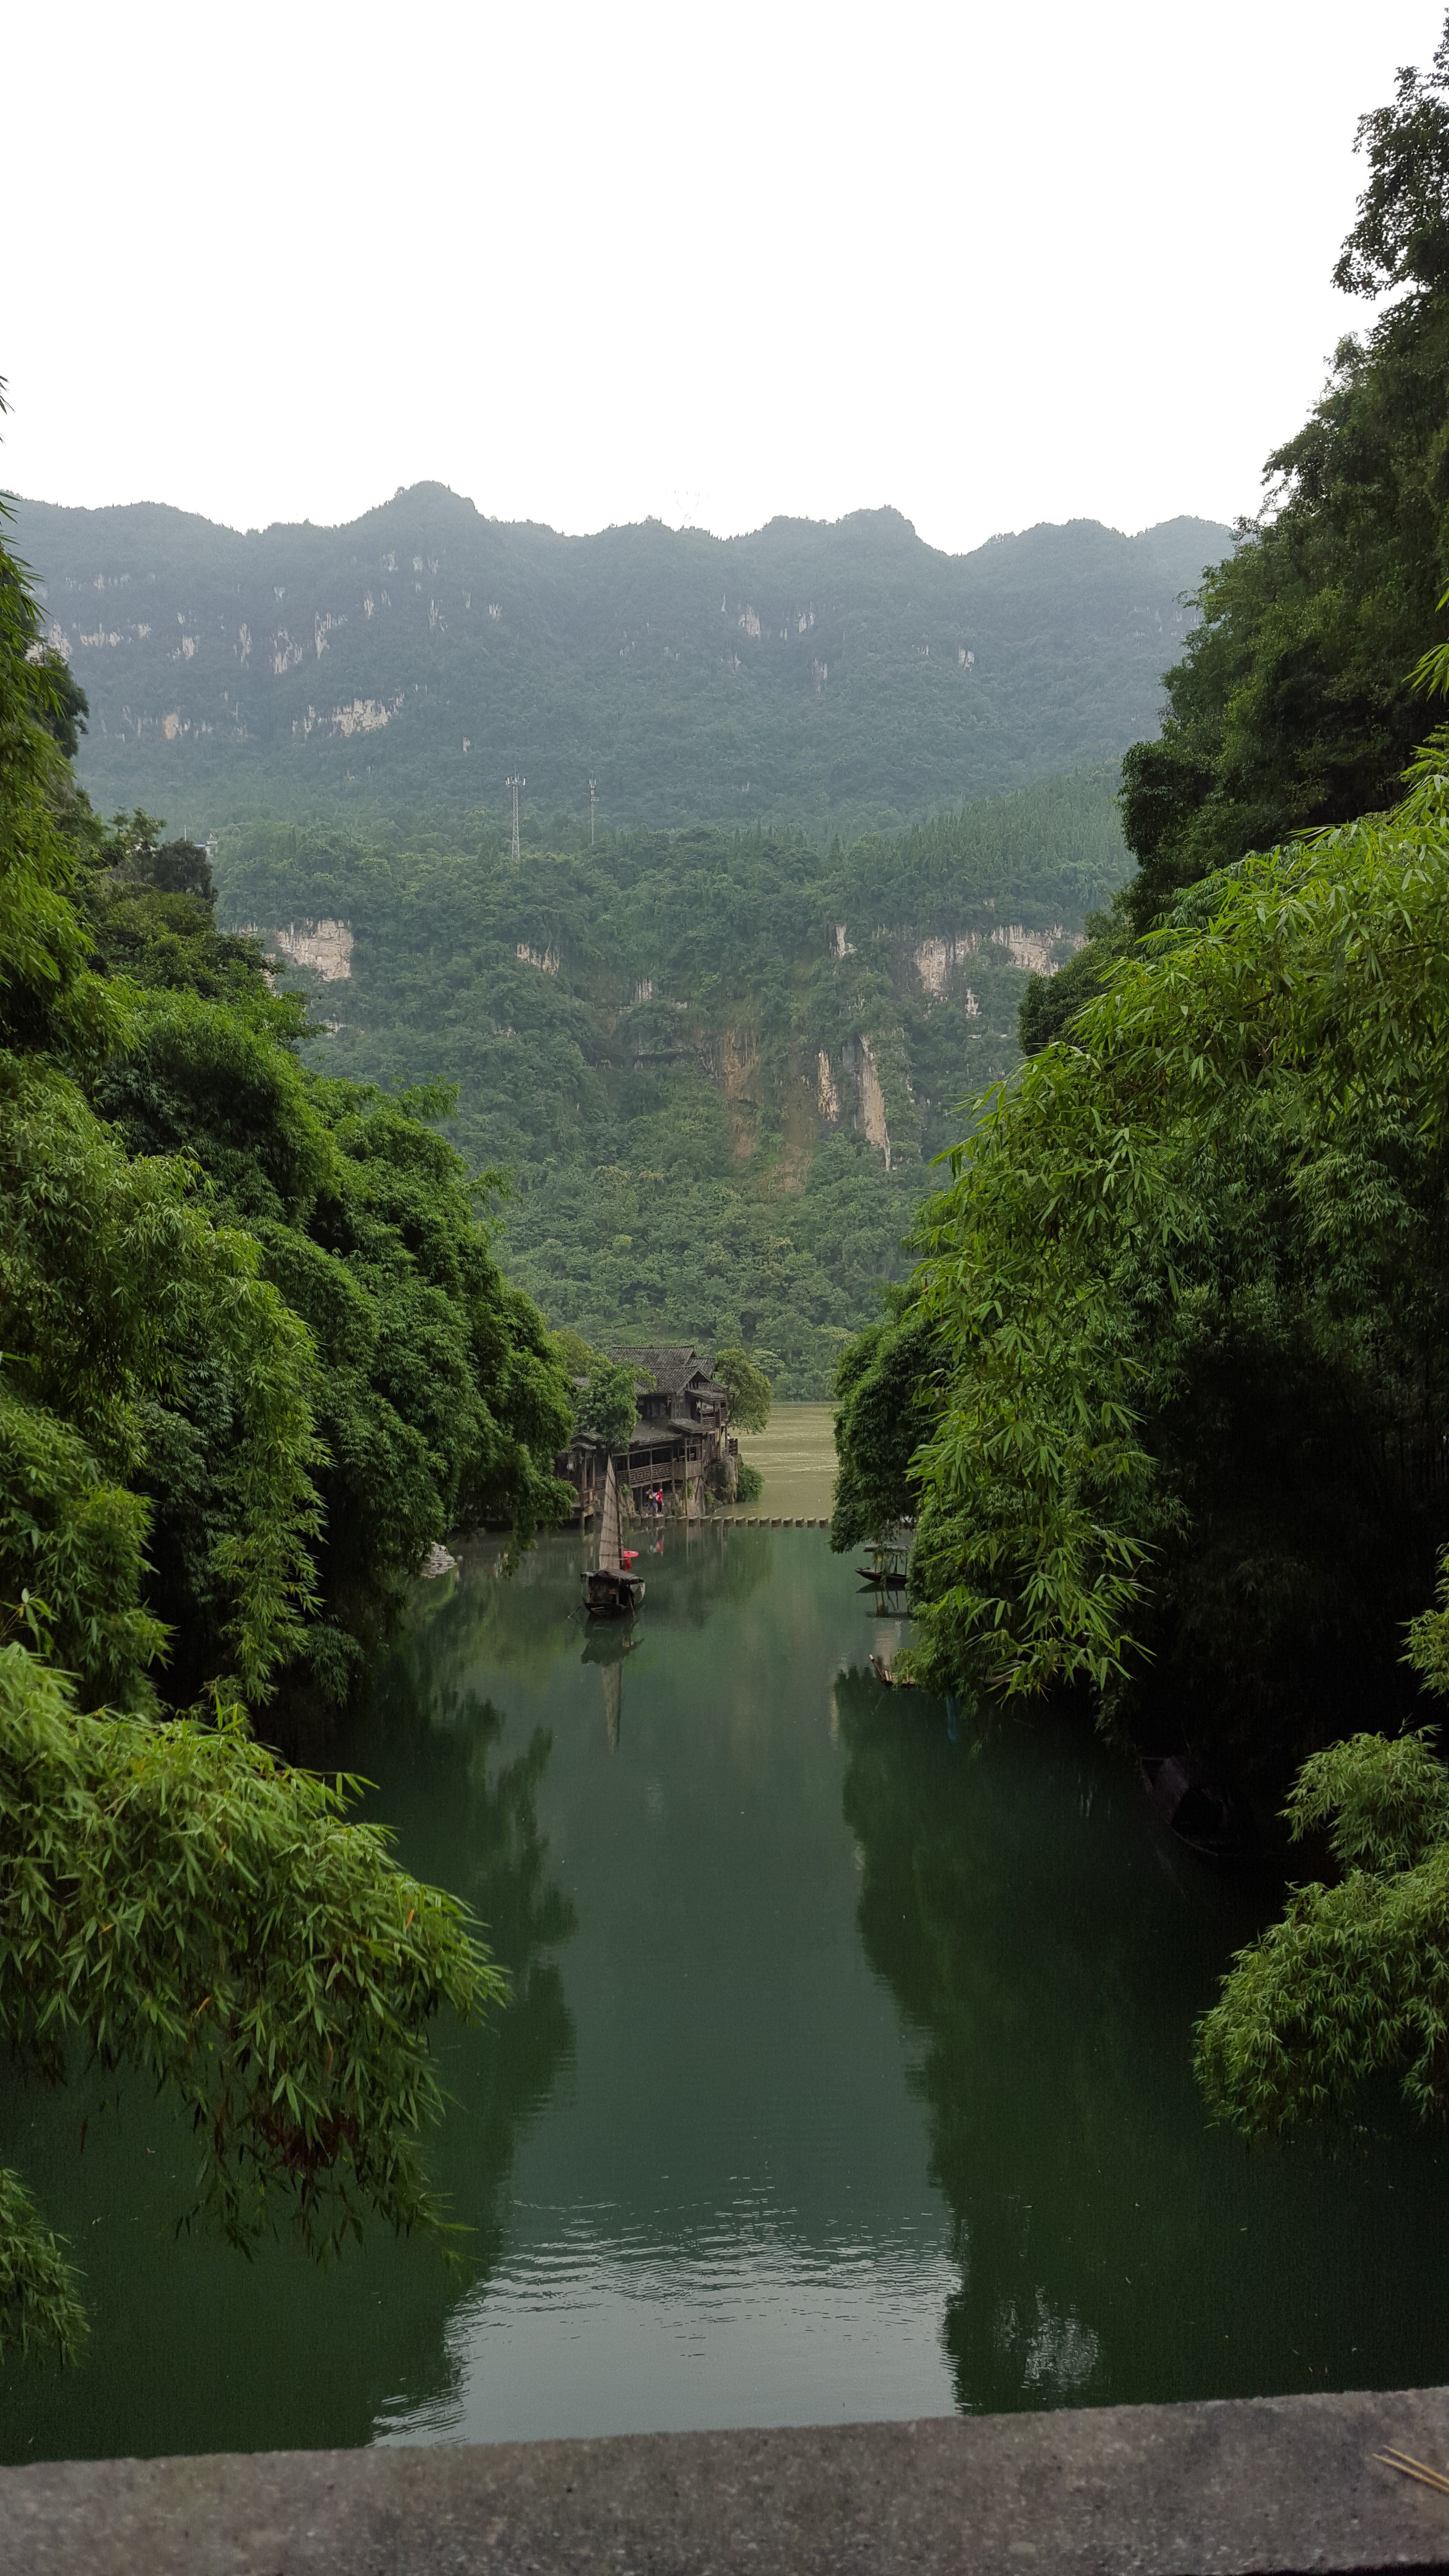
point(612, 1590)
point(886, 1672)
point(1212, 1819)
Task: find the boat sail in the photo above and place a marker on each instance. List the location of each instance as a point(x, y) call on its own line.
point(612, 1590)
point(611, 1526)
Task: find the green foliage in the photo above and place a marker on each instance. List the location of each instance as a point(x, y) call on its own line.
point(234, 1299)
point(575, 1355)
point(749, 1483)
point(750, 1391)
point(1191, 1291)
point(816, 675)
point(115, 1285)
point(71, 1539)
point(126, 1313)
point(1353, 1981)
point(430, 1391)
point(40, 2303)
point(66, 708)
point(150, 909)
point(608, 1403)
point(638, 1035)
point(1292, 707)
point(47, 997)
point(1383, 1804)
point(1194, 1276)
point(1051, 1002)
point(1401, 237)
point(887, 1390)
point(249, 1319)
point(185, 1905)
point(436, 1395)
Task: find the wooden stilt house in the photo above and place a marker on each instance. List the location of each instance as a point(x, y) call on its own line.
point(681, 1457)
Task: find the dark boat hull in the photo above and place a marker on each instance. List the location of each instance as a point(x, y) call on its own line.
point(612, 1596)
point(891, 1679)
point(1205, 1815)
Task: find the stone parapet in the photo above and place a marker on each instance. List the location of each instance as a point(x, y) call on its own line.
point(1253, 2487)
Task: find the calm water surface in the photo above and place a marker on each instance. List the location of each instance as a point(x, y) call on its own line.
point(847, 2073)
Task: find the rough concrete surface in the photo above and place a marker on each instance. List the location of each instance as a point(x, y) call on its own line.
point(1283, 2483)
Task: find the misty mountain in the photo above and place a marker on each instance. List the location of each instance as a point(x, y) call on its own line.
point(843, 677)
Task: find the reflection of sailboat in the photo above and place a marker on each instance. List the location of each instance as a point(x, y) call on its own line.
point(612, 1590)
point(607, 1646)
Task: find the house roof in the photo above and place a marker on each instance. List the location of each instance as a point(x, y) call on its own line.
point(672, 1365)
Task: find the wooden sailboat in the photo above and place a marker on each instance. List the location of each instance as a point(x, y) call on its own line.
point(612, 1590)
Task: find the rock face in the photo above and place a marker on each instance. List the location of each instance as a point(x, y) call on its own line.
point(934, 961)
point(872, 1103)
point(324, 948)
point(1035, 952)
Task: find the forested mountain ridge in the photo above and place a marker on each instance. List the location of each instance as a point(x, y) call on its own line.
point(715, 1065)
point(840, 676)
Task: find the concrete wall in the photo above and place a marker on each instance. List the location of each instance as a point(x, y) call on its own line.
point(1273, 2484)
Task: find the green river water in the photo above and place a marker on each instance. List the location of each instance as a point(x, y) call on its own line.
point(846, 2075)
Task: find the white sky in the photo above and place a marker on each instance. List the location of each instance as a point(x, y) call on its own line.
point(993, 264)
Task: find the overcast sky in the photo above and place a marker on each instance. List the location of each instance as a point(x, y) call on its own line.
point(991, 263)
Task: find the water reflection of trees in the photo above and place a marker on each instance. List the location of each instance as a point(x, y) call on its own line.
point(469, 1820)
point(519, 1615)
point(503, 1613)
point(273, 2354)
point(509, 2072)
point(1050, 1953)
point(703, 1569)
point(465, 1814)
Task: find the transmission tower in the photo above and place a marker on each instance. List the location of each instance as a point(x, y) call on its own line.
point(515, 784)
point(591, 813)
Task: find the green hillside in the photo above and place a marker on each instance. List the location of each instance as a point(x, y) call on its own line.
point(715, 1065)
point(840, 677)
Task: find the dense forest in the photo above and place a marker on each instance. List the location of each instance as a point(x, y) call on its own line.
point(844, 678)
point(257, 1356)
point(1165, 1396)
point(713, 1066)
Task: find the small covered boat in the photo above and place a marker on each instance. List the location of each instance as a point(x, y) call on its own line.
point(1212, 1819)
point(612, 1590)
point(884, 1569)
point(886, 1672)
